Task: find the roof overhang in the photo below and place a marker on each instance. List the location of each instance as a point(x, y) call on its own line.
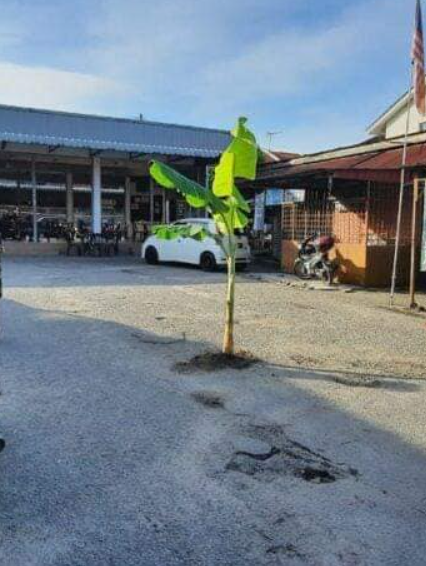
point(378, 127)
point(63, 132)
point(382, 163)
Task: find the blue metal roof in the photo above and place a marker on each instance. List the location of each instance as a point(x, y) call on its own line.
point(68, 130)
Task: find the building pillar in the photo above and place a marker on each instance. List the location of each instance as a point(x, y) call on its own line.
point(128, 208)
point(69, 197)
point(96, 196)
point(34, 199)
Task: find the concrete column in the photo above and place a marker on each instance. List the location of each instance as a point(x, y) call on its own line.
point(128, 209)
point(96, 196)
point(70, 197)
point(34, 199)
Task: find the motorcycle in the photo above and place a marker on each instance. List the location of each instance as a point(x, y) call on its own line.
point(313, 261)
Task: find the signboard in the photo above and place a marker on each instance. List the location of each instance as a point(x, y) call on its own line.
point(259, 212)
point(274, 197)
point(423, 256)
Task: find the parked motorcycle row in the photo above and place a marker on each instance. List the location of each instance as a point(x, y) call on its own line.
point(81, 241)
point(16, 226)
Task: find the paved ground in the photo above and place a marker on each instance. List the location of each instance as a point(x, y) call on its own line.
point(112, 460)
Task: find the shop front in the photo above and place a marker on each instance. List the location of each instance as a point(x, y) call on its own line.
point(91, 172)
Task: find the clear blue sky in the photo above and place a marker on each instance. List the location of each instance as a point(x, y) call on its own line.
point(321, 71)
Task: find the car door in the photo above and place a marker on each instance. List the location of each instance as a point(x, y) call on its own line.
point(174, 250)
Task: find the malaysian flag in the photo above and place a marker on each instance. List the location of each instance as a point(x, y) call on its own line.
point(418, 59)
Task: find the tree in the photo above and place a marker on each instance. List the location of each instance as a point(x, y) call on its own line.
point(225, 203)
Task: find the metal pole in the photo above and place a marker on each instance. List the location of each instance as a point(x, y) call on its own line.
point(401, 195)
point(413, 303)
point(34, 199)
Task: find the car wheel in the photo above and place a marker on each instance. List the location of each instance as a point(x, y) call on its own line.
point(207, 261)
point(151, 255)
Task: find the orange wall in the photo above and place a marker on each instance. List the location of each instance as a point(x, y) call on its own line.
point(359, 264)
point(290, 249)
point(352, 259)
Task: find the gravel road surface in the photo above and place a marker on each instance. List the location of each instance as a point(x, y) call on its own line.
point(316, 456)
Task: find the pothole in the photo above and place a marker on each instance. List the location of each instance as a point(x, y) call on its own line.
point(284, 457)
point(259, 457)
point(317, 475)
point(209, 399)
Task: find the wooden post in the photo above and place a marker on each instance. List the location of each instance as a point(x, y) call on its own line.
point(413, 303)
point(367, 212)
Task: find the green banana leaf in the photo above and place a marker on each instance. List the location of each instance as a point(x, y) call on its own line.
point(173, 231)
point(195, 194)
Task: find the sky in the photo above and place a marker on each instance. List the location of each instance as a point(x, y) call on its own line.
point(318, 72)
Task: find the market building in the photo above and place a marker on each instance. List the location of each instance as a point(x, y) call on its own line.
point(94, 169)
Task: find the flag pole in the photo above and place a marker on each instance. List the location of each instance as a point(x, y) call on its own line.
point(401, 193)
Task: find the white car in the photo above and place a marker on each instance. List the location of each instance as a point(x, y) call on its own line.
point(206, 253)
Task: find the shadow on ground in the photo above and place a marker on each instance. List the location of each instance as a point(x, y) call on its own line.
point(112, 460)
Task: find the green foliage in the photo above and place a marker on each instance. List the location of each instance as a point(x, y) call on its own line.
point(172, 232)
point(224, 201)
point(195, 194)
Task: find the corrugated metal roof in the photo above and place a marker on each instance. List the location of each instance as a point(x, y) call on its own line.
point(382, 165)
point(46, 127)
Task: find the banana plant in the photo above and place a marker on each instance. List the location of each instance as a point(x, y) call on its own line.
point(223, 201)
